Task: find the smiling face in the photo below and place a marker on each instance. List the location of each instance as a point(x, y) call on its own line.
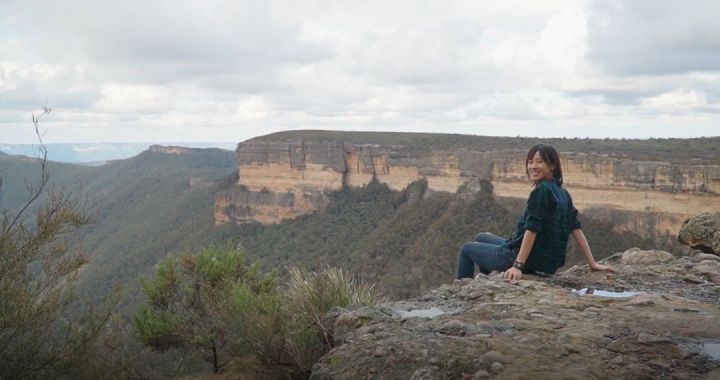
point(538, 169)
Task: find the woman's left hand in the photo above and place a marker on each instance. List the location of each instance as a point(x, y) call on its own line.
point(512, 274)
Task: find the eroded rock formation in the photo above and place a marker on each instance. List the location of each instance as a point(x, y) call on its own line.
point(279, 181)
point(702, 232)
point(656, 318)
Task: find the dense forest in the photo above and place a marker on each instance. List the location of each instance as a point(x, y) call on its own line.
point(402, 241)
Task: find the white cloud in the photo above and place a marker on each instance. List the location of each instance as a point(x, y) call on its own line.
point(680, 100)
point(140, 99)
point(554, 58)
point(536, 104)
point(252, 108)
point(647, 37)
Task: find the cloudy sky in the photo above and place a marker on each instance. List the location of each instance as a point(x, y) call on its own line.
point(216, 70)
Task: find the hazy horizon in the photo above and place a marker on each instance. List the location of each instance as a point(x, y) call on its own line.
point(221, 143)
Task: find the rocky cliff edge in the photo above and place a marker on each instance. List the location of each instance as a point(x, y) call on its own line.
point(656, 318)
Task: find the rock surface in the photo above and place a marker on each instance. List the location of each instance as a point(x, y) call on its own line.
point(659, 320)
point(702, 232)
point(637, 256)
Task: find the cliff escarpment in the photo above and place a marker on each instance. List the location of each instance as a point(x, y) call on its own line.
point(283, 180)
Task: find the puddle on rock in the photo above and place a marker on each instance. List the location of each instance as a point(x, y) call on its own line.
point(421, 313)
point(711, 349)
point(604, 293)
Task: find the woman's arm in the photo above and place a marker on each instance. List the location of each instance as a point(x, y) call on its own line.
point(527, 243)
point(525, 247)
point(581, 240)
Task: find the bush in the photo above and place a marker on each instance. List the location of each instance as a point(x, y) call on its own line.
point(312, 294)
point(284, 328)
point(216, 305)
point(186, 298)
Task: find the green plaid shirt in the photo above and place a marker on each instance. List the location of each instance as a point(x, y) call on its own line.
point(550, 213)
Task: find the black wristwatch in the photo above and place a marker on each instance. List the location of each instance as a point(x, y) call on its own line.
point(518, 265)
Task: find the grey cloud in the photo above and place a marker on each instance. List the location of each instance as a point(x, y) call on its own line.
point(647, 37)
point(649, 86)
point(30, 101)
point(165, 41)
point(32, 94)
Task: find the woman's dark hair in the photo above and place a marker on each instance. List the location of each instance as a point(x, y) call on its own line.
point(550, 156)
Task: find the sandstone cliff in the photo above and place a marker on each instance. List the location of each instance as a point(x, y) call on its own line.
point(280, 180)
point(655, 319)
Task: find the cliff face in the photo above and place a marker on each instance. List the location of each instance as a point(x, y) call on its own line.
point(278, 181)
point(281, 181)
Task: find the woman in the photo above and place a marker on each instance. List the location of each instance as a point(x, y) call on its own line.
point(540, 242)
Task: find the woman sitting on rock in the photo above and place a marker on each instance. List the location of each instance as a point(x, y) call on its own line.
point(540, 242)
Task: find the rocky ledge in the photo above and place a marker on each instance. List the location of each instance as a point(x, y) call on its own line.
point(656, 318)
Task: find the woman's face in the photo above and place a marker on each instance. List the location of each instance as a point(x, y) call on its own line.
point(539, 169)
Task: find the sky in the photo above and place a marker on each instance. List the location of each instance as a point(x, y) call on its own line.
point(216, 70)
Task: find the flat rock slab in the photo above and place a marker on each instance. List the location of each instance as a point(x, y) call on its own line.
point(540, 328)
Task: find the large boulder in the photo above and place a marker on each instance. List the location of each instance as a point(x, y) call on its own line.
point(638, 256)
point(702, 232)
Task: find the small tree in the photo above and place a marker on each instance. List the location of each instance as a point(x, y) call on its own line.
point(184, 299)
point(43, 332)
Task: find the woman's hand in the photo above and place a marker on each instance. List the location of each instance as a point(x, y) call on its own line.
point(512, 274)
point(598, 267)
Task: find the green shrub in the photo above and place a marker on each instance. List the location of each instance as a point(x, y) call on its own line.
point(186, 300)
point(284, 328)
point(215, 304)
point(313, 294)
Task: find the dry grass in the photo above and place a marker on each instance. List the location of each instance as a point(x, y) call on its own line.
point(315, 293)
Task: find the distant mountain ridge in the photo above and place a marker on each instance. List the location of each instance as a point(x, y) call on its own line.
point(96, 152)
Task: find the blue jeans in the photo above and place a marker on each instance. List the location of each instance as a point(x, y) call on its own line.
point(487, 252)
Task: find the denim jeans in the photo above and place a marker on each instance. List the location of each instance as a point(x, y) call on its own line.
point(487, 252)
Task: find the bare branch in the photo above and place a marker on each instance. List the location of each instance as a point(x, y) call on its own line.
point(44, 175)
